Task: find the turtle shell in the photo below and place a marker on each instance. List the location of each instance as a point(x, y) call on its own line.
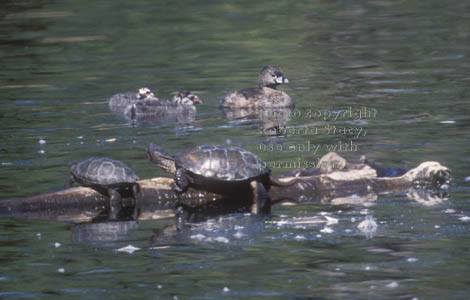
point(102, 171)
point(221, 163)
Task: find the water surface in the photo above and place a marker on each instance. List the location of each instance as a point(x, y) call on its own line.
point(405, 60)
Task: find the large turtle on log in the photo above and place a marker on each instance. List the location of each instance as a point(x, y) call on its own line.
point(109, 177)
point(218, 169)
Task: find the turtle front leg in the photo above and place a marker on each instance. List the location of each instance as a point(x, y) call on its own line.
point(181, 181)
point(260, 198)
point(114, 204)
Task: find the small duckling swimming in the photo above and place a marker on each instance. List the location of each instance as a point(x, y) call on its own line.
point(266, 95)
point(183, 102)
point(186, 98)
point(119, 102)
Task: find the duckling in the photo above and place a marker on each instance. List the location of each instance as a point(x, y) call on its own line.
point(119, 102)
point(183, 102)
point(266, 95)
point(186, 98)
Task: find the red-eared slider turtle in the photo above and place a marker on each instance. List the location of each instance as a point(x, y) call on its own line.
point(109, 177)
point(218, 169)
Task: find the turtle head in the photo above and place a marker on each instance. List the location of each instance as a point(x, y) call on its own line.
point(271, 77)
point(73, 166)
point(161, 158)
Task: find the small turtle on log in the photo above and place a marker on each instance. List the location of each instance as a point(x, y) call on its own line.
point(219, 169)
point(109, 177)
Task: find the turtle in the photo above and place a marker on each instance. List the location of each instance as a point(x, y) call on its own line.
point(220, 169)
point(109, 177)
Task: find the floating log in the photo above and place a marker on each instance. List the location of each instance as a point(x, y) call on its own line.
point(81, 204)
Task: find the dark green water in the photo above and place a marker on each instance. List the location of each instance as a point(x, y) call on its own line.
point(406, 60)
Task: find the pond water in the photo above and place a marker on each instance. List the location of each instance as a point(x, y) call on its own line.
point(406, 61)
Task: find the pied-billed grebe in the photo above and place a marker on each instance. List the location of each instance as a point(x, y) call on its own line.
point(183, 102)
point(119, 102)
point(265, 95)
